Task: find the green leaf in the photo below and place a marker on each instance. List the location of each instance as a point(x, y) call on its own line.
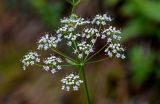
point(135, 27)
point(141, 64)
point(138, 26)
point(49, 13)
point(149, 9)
point(128, 9)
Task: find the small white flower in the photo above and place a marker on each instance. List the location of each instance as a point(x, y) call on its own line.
point(59, 67)
point(91, 32)
point(101, 19)
point(47, 42)
point(46, 68)
point(110, 54)
point(115, 36)
point(53, 71)
point(30, 59)
point(118, 55)
point(93, 41)
point(71, 81)
point(112, 30)
point(85, 48)
point(75, 88)
point(80, 56)
point(122, 56)
point(74, 21)
point(103, 37)
point(52, 63)
point(109, 40)
point(115, 49)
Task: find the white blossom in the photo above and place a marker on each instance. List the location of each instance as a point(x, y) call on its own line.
point(91, 32)
point(101, 19)
point(79, 35)
point(47, 42)
point(74, 21)
point(111, 32)
point(30, 59)
point(115, 49)
point(71, 81)
point(84, 48)
point(52, 63)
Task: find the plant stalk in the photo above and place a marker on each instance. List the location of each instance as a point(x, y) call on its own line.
point(85, 86)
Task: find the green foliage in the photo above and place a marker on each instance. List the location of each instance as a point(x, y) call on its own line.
point(134, 28)
point(144, 16)
point(141, 64)
point(50, 13)
point(143, 19)
point(111, 3)
point(146, 8)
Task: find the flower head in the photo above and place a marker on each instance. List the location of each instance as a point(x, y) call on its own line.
point(71, 81)
point(30, 59)
point(52, 63)
point(47, 42)
point(74, 21)
point(101, 19)
point(115, 49)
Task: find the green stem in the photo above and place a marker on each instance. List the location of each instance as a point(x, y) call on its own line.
point(97, 61)
point(70, 65)
point(96, 53)
point(73, 10)
point(63, 55)
point(85, 86)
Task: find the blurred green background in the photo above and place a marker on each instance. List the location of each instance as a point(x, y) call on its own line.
point(135, 80)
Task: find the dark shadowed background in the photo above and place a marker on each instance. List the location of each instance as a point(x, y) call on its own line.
point(135, 80)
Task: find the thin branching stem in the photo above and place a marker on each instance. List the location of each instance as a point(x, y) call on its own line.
point(97, 61)
point(63, 55)
point(96, 53)
point(68, 65)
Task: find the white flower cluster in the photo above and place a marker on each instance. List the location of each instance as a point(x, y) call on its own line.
point(84, 48)
point(113, 32)
point(52, 63)
point(101, 19)
point(83, 42)
point(71, 81)
point(67, 33)
point(47, 42)
point(30, 59)
point(80, 35)
point(74, 21)
point(91, 32)
point(113, 37)
point(115, 49)
point(69, 26)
